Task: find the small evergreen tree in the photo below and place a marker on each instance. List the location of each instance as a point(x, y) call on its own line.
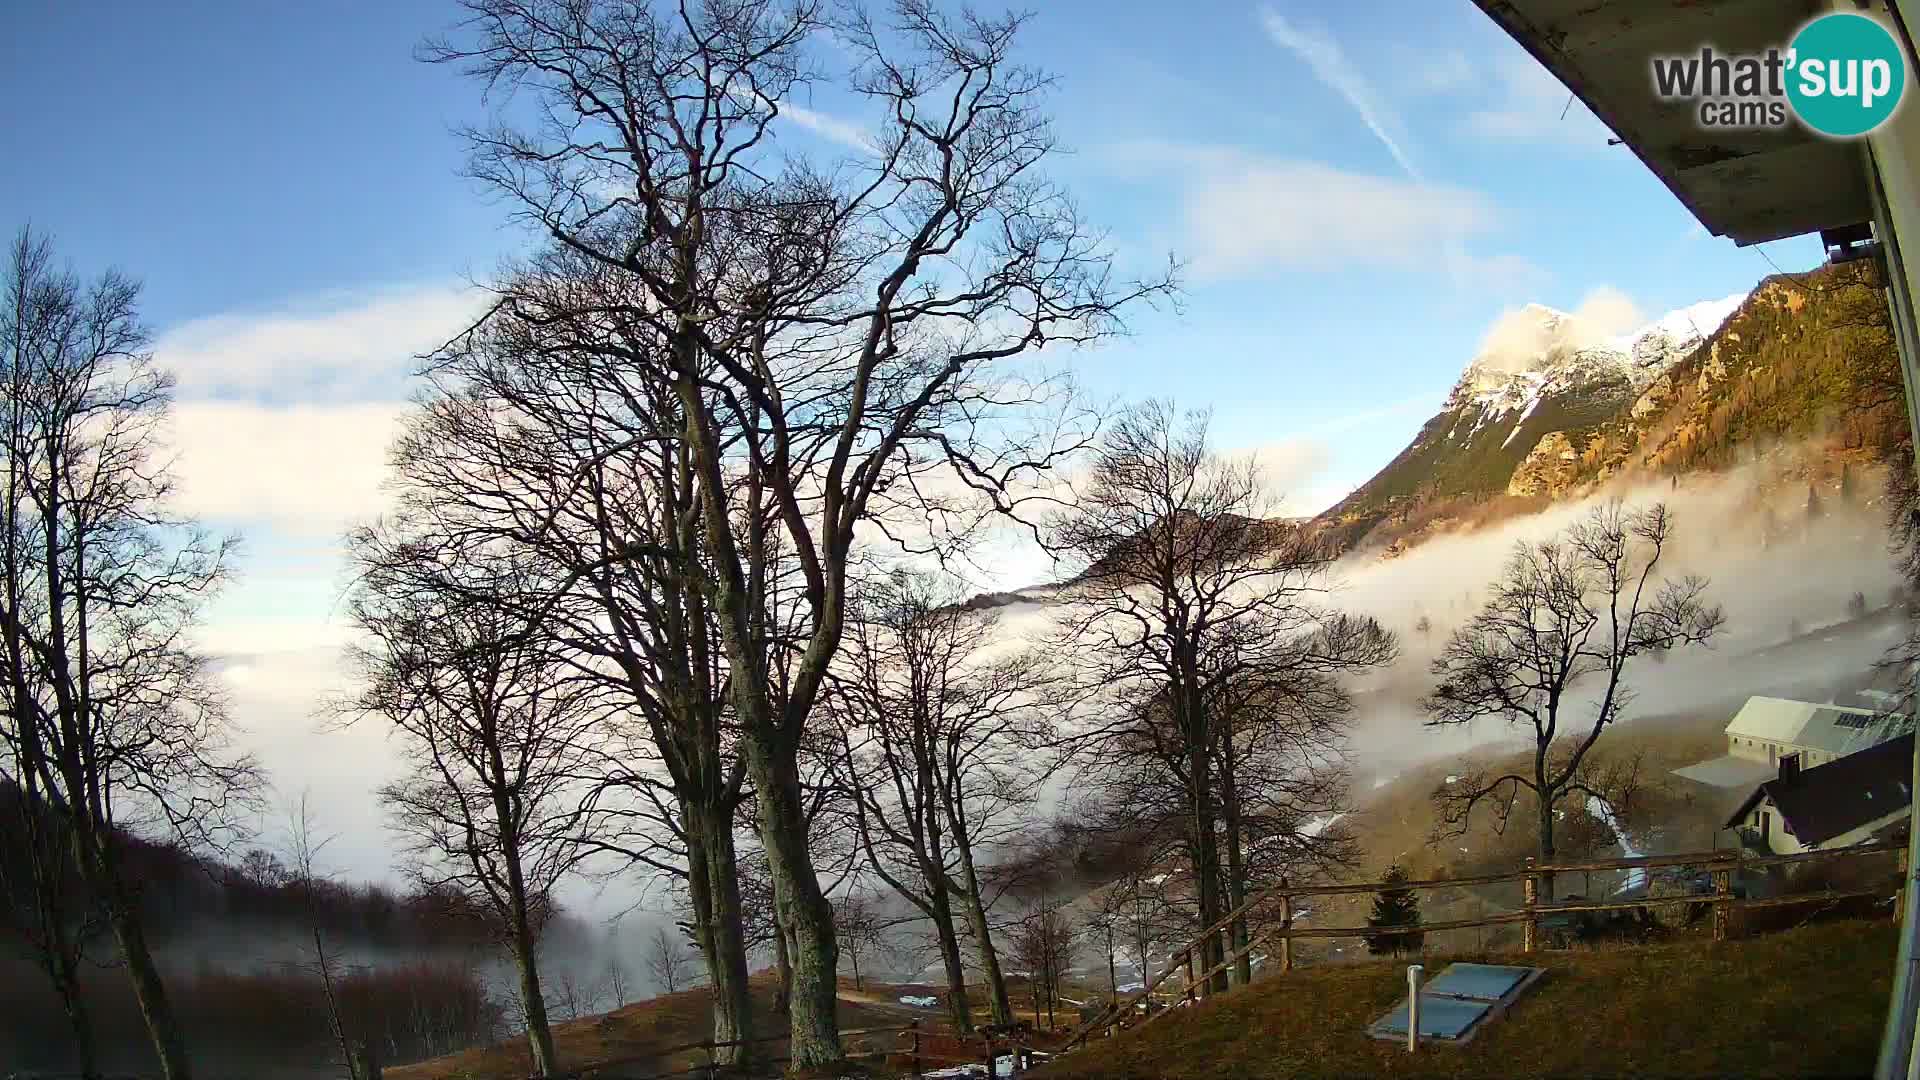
point(1395, 907)
point(1846, 483)
point(1814, 507)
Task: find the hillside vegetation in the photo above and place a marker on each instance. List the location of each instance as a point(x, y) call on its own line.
point(1805, 358)
point(1737, 1008)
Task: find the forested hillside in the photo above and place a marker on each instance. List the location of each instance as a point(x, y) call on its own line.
point(1804, 358)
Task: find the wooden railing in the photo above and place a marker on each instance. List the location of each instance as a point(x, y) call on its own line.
point(1722, 864)
point(994, 1043)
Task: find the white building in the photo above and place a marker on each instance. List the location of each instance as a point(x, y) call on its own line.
point(1834, 805)
point(1768, 732)
point(1767, 729)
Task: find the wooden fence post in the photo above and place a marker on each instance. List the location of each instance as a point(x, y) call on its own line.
point(1722, 901)
point(992, 1074)
point(1530, 899)
point(916, 1047)
point(1286, 924)
point(1900, 894)
point(366, 1063)
point(1191, 991)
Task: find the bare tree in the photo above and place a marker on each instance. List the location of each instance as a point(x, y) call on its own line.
point(859, 927)
point(834, 336)
point(939, 758)
point(495, 732)
point(1044, 944)
point(668, 960)
point(1549, 651)
point(114, 722)
point(1200, 626)
point(617, 990)
point(532, 447)
point(48, 908)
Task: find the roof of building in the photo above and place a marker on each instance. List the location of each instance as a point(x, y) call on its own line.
point(1727, 771)
point(1752, 185)
point(1833, 729)
point(1828, 800)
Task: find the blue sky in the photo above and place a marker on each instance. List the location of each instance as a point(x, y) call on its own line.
point(1359, 191)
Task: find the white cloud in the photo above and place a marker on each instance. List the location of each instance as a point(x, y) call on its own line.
point(831, 128)
point(1293, 470)
point(304, 468)
point(1432, 220)
point(1501, 275)
point(1530, 103)
point(339, 349)
point(1439, 73)
point(1330, 64)
point(1256, 214)
point(1520, 337)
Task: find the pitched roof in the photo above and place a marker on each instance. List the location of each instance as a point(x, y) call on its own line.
point(1833, 729)
point(1827, 800)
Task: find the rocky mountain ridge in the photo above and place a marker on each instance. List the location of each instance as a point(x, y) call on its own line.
point(1801, 357)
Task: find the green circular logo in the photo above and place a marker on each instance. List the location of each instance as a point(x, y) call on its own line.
point(1845, 75)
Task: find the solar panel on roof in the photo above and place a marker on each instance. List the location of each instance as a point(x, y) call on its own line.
point(1852, 720)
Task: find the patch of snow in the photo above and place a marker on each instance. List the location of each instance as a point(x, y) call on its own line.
point(1532, 404)
point(1636, 877)
point(1319, 825)
point(1694, 323)
point(1384, 781)
point(919, 1001)
point(1002, 1066)
point(1129, 988)
point(1453, 779)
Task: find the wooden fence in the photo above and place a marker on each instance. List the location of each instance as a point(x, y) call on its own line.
point(994, 1043)
point(1722, 865)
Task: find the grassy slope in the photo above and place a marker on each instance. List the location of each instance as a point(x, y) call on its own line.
point(637, 1031)
point(1806, 1002)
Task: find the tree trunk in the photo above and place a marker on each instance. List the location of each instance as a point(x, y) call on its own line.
point(770, 754)
point(813, 1021)
point(1206, 863)
point(1242, 970)
point(1113, 977)
point(533, 1005)
point(66, 982)
point(1546, 848)
point(783, 963)
point(148, 989)
point(958, 1006)
point(520, 925)
point(714, 887)
point(976, 911)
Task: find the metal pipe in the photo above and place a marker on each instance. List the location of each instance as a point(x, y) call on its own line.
point(1413, 1007)
point(1897, 1057)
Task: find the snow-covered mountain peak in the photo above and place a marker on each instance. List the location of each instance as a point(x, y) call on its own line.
point(1539, 350)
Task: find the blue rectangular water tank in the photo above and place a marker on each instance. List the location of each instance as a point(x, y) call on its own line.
point(1440, 1018)
point(1485, 982)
